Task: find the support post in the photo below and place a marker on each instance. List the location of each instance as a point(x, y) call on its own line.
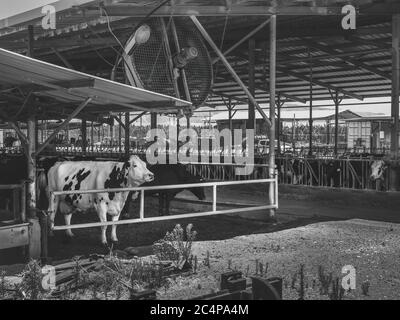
point(119, 132)
point(84, 136)
point(251, 115)
point(127, 134)
point(279, 105)
point(91, 136)
point(310, 120)
point(328, 134)
point(394, 148)
point(34, 230)
point(337, 103)
point(153, 120)
point(30, 52)
point(272, 101)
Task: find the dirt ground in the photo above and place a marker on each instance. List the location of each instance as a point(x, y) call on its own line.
point(371, 247)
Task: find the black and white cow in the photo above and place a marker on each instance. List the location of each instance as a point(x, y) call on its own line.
point(171, 174)
point(95, 175)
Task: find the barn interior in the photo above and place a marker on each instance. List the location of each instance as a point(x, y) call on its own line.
point(264, 55)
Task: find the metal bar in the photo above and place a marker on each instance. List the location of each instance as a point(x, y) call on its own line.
point(394, 145)
point(229, 67)
point(272, 92)
point(276, 191)
point(64, 124)
point(127, 134)
point(141, 213)
point(183, 73)
point(128, 10)
point(62, 58)
point(251, 112)
point(336, 100)
point(164, 187)
point(84, 135)
point(169, 55)
point(310, 120)
point(137, 117)
point(31, 40)
point(118, 119)
point(246, 37)
point(214, 205)
point(162, 218)
point(31, 189)
point(23, 202)
point(153, 120)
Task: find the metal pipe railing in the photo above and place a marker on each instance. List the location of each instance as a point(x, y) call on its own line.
point(142, 190)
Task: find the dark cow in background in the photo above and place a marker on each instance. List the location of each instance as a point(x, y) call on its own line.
point(171, 174)
point(332, 170)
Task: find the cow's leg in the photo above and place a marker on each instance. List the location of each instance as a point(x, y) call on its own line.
point(66, 210)
point(67, 219)
point(52, 209)
point(102, 213)
point(114, 238)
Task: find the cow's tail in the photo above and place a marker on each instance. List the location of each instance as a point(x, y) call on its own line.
point(41, 189)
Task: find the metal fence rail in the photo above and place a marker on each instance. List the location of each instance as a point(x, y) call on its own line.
point(142, 218)
point(341, 173)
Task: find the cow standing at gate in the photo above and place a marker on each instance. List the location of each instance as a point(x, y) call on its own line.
point(94, 175)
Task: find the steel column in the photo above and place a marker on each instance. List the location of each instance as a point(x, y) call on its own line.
point(251, 115)
point(84, 135)
point(153, 120)
point(310, 120)
point(31, 187)
point(272, 92)
point(394, 148)
point(127, 134)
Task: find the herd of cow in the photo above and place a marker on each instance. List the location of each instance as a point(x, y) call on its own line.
point(350, 173)
point(59, 174)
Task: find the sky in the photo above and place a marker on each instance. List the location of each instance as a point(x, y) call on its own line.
point(11, 7)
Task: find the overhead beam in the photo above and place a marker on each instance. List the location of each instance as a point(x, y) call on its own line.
point(137, 117)
point(332, 51)
point(318, 82)
point(264, 89)
point(62, 58)
point(133, 10)
point(63, 125)
point(242, 40)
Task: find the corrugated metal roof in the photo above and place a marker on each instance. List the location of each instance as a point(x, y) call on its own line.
point(72, 87)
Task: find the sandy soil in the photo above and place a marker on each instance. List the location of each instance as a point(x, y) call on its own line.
point(371, 247)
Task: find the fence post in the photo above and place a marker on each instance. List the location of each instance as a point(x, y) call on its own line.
point(23, 202)
point(141, 204)
point(276, 189)
point(214, 197)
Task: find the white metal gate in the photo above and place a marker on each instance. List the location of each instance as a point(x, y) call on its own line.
point(271, 182)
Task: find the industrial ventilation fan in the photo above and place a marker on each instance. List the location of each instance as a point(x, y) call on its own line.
point(168, 56)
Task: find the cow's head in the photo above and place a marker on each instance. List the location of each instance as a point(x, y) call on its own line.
point(378, 169)
point(138, 172)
